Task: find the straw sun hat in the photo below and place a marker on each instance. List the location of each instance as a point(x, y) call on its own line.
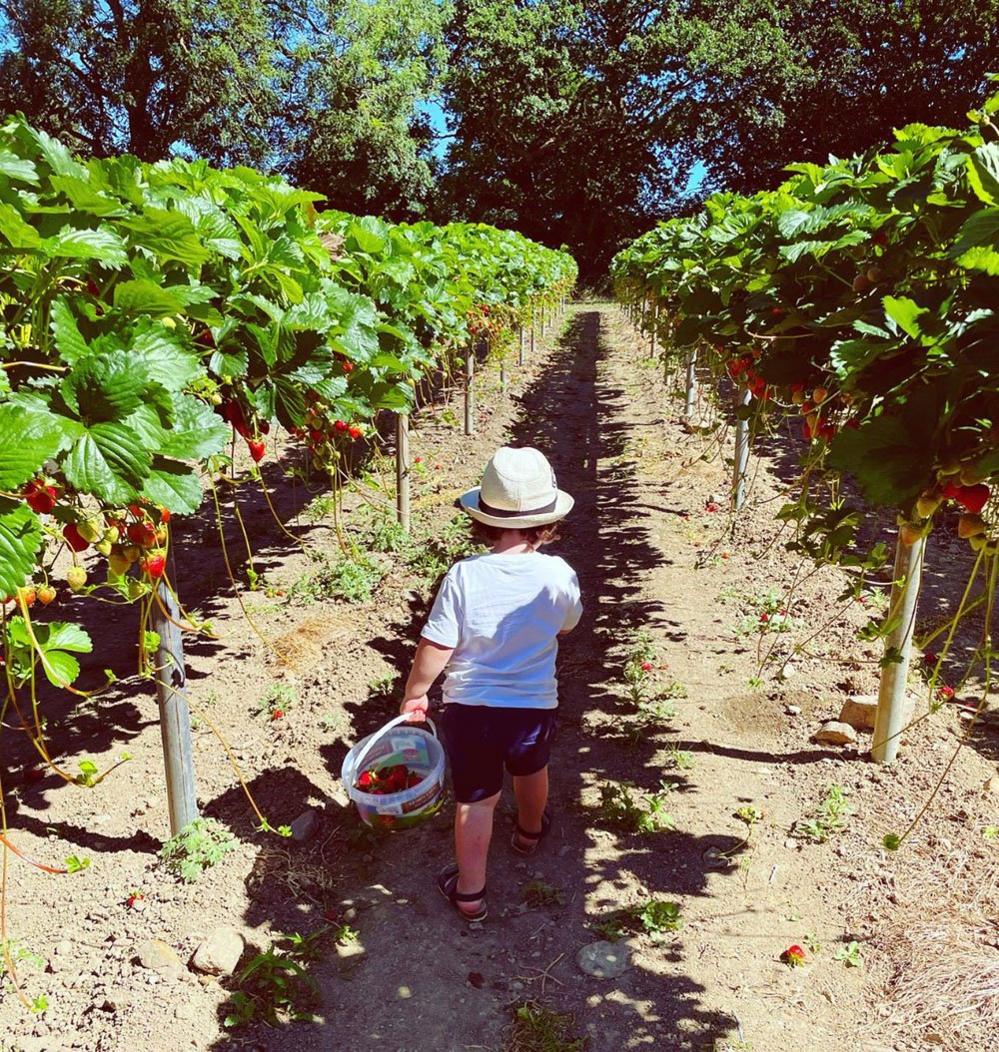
point(518, 491)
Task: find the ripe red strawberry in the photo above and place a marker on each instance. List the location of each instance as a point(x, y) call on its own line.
point(974, 498)
point(257, 449)
point(806, 431)
point(316, 436)
point(73, 538)
point(277, 714)
point(93, 288)
point(348, 367)
point(355, 432)
point(417, 460)
point(154, 564)
point(945, 693)
point(164, 514)
point(950, 489)
point(340, 425)
point(205, 337)
point(142, 534)
point(646, 666)
point(137, 510)
point(793, 956)
point(39, 497)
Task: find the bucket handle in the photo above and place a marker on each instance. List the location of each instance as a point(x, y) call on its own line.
point(404, 718)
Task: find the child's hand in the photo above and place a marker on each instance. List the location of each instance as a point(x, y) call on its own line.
point(416, 707)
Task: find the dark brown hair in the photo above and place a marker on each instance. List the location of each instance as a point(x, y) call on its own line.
point(483, 533)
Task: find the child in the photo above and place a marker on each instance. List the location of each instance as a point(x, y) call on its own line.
point(494, 627)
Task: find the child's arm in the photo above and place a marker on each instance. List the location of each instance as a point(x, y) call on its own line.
point(428, 664)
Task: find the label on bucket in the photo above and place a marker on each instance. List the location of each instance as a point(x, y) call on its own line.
point(423, 799)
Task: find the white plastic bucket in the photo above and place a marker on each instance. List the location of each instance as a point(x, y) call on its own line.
point(399, 741)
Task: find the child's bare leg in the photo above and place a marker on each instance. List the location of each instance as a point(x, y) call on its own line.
point(531, 792)
point(473, 829)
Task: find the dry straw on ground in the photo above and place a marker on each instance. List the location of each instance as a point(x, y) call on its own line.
point(946, 976)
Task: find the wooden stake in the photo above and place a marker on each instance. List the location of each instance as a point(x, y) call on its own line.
point(470, 391)
point(652, 329)
point(175, 717)
point(892, 714)
point(520, 348)
point(402, 470)
point(742, 399)
point(690, 392)
point(532, 332)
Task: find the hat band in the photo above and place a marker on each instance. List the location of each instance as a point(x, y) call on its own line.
point(501, 513)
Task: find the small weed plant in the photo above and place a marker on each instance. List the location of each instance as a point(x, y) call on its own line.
point(657, 918)
point(198, 846)
point(538, 894)
point(767, 613)
point(829, 818)
point(276, 701)
point(352, 577)
point(680, 759)
point(537, 1028)
point(850, 954)
point(627, 807)
point(275, 986)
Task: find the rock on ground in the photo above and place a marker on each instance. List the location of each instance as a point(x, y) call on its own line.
point(220, 952)
point(604, 960)
point(835, 733)
point(159, 957)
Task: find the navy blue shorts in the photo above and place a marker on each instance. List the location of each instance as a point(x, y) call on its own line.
point(481, 741)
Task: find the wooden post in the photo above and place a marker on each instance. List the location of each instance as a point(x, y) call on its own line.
point(893, 713)
point(532, 332)
point(503, 371)
point(402, 472)
point(652, 329)
point(175, 717)
point(520, 348)
point(742, 400)
point(690, 393)
point(470, 390)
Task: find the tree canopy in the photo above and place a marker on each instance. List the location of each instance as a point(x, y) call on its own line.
point(577, 121)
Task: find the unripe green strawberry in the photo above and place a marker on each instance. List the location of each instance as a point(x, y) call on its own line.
point(112, 534)
point(927, 504)
point(89, 530)
point(104, 547)
point(76, 578)
point(46, 593)
point(136, 589)
point(118, 563)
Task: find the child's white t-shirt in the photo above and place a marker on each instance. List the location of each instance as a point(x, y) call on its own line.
point(502, 614)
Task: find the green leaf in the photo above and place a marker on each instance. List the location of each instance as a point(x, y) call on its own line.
point(20, 542)
point(107, 386)
point(167, 362)
point(905, 313)
point(173, 485)
point(169, 235)
point(68, 340)
point(145, 297)
point(18, 234)
point(108, 461)
point(197, 432)
point(84, 198)
point(886, 456)
point(15, 167)
point(983, 173)
point(102, 244)
point(981, 258)
point(27, 439)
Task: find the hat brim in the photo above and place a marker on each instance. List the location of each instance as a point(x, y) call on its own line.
point(470, 503)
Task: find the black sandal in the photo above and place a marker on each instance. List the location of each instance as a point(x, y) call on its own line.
point(447, 885)
point(535, 838)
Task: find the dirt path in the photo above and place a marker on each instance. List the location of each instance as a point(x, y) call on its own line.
point(660, 575)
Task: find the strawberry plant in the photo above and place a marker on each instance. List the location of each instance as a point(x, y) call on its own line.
point(201, 844)
point(853, 308)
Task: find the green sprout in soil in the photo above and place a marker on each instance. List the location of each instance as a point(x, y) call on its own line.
point(624, 805)
point(655, 917)
point(829, 818)
point(538, 1029)
point(538, 894)
point(198, 846)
